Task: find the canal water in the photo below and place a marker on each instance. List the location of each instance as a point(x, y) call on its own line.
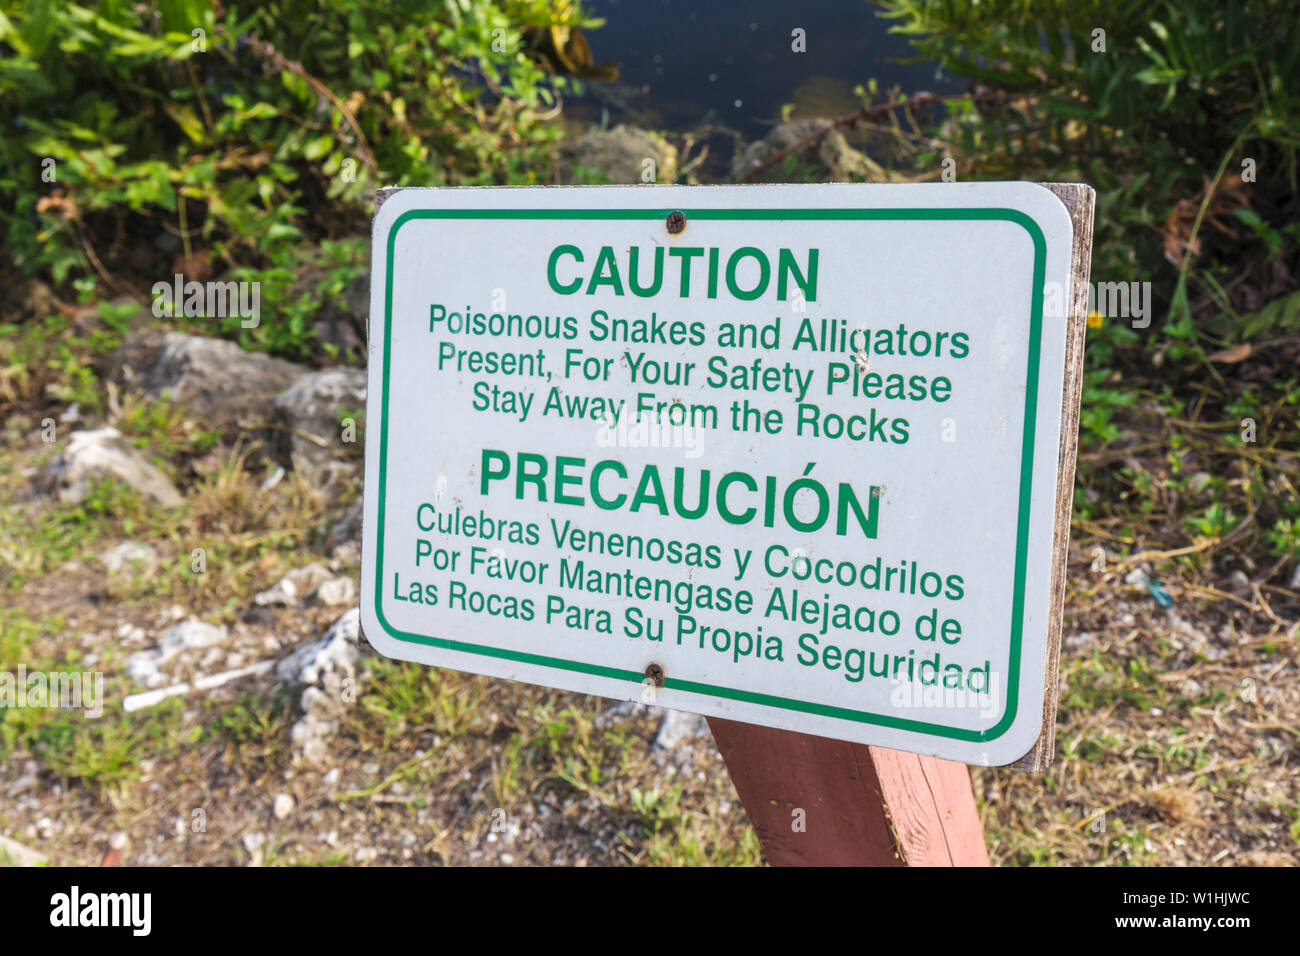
point(685, 64)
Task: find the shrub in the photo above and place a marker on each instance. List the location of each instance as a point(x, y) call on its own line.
point(1184, 115)
point(132, 134)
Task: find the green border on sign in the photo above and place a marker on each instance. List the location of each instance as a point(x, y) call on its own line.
point(636, 677)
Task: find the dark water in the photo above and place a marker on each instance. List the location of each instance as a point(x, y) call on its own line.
point(688, 62)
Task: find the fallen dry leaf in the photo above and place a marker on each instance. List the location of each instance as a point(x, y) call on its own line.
point(1236, 353)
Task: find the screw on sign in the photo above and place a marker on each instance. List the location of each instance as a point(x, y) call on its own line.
point(855, 627)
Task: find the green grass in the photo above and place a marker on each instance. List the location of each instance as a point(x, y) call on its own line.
point(48, 358)
point(105, 754)
point(677, 836)
point(252, 729)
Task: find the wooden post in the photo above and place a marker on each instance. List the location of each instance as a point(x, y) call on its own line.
point(861, 806)
point(815, 801)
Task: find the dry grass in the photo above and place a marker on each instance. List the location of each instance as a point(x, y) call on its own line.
point(1177, 735)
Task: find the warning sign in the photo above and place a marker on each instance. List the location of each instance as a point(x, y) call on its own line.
point(783, 454)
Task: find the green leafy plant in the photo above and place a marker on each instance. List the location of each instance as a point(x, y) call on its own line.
point(134, 135)
point(1184, 115)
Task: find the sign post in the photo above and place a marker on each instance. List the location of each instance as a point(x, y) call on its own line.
point(797, 458)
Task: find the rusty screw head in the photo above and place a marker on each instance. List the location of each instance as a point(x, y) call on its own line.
point(655, 674)
point(676, 222)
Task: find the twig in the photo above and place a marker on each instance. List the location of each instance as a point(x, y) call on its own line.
point(198, 88)
point(1164, 555)
point(316, 440)
point(695, 162)
point(1259, 596)
point(373, 792)
point(150, 698)
point(99, 266)
point(1289, 593)
point(185, 230)
point(1121, 452)
point(1215, 594)
point(280, 61)
point(555, 111)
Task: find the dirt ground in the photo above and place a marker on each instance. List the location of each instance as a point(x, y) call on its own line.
point(1176, 738)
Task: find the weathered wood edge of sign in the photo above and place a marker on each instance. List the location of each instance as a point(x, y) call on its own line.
point(1078, 200)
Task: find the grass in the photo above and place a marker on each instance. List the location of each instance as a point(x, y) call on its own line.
point(675, 835)
point(483, 764)
point(251, 730)
point(105, 754)
point(48, 358)
point(1155, 725)
point(1154, 728)
point(163, 429)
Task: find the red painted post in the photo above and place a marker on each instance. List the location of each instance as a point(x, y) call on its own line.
point(861, 806)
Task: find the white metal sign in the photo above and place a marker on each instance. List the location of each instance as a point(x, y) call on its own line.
point(782, 454)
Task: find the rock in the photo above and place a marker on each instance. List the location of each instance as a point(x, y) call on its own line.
point(128, 556)
point(312, 411)
point(188, 635)
point(1137, 578)
point(216, 380)
point(282, 806)
point(618, 155)
point(26, 781)
point(346, 555)
point(626, 710)
point(13, 853)
point(328, 668)
point(337, 592)
point(677, 728)
point(91, 456)
point(255, 843)
point(347, 530)
point(1193, 639)
point(837, 160)
point(294, 587)
point(138, 353)
point(344, 321)
point(335, 653)
point(145, 667)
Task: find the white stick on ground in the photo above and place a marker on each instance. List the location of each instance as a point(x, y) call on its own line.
point(151, 698)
